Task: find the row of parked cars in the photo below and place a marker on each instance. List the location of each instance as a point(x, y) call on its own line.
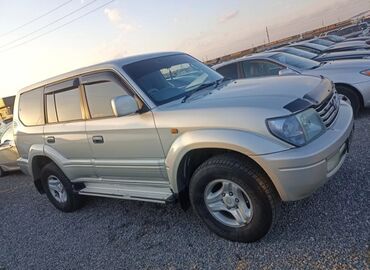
point(164, 127)
point(346, 62)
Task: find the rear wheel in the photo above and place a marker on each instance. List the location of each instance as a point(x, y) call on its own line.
point(234, 198)
point(59, 189)
point(352, 96)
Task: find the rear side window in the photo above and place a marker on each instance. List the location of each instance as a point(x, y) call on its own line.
point(229, 71)
point(31, 109)
point(68, 105)
point(99, 96)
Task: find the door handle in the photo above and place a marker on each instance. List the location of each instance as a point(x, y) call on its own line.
point(50, 139)
point(98, 139)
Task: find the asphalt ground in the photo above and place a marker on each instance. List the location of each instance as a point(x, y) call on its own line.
point(329, 230)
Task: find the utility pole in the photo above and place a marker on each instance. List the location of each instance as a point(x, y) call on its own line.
point(268, 35)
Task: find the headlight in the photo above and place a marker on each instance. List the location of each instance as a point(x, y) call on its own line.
point(365, 72)
point(298, 129)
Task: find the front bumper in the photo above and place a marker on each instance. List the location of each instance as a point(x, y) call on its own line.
point(298, 172)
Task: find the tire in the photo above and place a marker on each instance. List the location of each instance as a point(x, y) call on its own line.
point(2, 173)
point(261, 196)
point(352, 97)
point(67, 200)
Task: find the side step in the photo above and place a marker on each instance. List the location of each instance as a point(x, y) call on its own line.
point(129, 192)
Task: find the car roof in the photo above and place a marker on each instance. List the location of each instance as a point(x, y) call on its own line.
point(261, 55)
point(112, 64)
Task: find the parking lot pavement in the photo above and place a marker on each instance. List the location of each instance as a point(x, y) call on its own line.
point(328, 230)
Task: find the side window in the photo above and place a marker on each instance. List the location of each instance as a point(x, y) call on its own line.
point(229, 71)
point(68, 105)
point(31, 109)
point(99, 96)
point(260, 69)
point(51, 112)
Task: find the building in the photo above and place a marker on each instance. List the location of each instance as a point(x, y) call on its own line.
point(6, 108)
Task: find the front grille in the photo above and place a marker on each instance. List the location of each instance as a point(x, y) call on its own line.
point(328, 109)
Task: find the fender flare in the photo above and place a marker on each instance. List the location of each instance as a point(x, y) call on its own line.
point(246, 143)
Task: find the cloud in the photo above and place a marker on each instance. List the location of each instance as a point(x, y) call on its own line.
point(229, 16)
point(115, 17)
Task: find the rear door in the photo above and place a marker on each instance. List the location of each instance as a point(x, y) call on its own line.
point(126, 149)
point(65, 129)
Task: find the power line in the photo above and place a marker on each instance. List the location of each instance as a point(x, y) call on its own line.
point(35, 19)
point(57, 28)
point(47, 25)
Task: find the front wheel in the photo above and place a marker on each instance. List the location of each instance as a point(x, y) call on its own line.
point(234, 198)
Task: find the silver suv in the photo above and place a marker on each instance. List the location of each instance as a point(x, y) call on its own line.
point(164, 127)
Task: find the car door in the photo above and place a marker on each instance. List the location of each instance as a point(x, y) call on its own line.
point(260, 68)
point(8, 151)
point(65, 130)
point(126, 148)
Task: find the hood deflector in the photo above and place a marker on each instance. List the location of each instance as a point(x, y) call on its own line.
point(312, 98)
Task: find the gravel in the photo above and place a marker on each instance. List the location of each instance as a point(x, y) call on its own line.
point(329, 230)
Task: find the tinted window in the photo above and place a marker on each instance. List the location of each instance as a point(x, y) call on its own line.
point(311, 50)
point(99, 97)
point(153, 77)
point(229, 71)
point(68, 105)
point(323, 42)
point(295, 61)
point(31, 109)
point(299, 52)
point(260, 69)
point(50, 109)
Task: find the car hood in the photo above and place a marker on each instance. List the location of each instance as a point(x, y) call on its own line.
point(355, 44)
point(348, 64)
point(359, 53)
point(273, 93)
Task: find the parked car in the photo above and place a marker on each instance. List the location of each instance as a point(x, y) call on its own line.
point(351, 77)
point(351, 31)
point(8, 151)
point(323, 45)
point(140, 128)
point(337, 39)
point(324, 57)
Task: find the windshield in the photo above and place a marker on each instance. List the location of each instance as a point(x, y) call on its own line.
point(295, 61)
point(167, 78)
point(323, 42)
point(302, 53)
point(336, 38)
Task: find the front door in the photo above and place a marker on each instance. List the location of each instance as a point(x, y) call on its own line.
point(125, 149)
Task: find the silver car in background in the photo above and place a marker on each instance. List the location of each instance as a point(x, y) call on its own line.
point(351, 77)
point(8, 151)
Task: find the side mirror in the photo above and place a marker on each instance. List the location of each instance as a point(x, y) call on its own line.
point(124, 105)
point(287, 71)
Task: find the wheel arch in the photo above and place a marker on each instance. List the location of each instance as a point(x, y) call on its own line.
point(193, 148)
point(356, 91)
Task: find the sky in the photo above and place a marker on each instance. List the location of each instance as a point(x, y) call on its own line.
point(31, 51)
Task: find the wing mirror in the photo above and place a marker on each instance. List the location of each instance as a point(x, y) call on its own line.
point(287, 71)
point(124, 105)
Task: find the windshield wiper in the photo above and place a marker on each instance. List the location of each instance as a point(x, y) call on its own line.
point(201, 87)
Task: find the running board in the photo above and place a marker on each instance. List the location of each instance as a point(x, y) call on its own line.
point(129, 192)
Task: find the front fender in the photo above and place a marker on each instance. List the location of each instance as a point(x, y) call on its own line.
point(243, 142)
